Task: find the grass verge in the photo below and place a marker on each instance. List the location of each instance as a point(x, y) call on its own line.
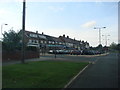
point(40, 74)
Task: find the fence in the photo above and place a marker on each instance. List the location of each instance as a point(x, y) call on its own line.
point(17, 55)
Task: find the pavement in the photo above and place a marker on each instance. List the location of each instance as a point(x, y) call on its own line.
point(103, 73)
point(59, 57)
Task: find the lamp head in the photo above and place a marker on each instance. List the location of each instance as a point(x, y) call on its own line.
point(5, 24)
point(104, 27)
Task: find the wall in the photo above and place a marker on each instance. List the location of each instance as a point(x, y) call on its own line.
point(17, 55)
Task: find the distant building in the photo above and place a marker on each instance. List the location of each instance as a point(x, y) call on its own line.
point(47, 42)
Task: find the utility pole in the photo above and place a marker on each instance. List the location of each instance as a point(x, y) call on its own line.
point(55, 50)
point(106, 39)
point(38, 42)
point(99, 36)
point(99, 28)
point(23, 31)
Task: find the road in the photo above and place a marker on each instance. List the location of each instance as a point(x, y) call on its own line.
point(101, 74)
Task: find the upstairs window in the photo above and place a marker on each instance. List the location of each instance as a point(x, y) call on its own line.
point(41, 41)
point(45, 42)
point(49, 42)
point(33, 35)
point(30, 41)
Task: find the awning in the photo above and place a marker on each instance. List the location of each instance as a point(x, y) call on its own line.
point(55, 45)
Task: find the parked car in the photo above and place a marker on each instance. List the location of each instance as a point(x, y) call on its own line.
point(67, 51)
point(59, 51)
point(97, 52)
point(53, 51)
point(75, 52)
point(87, 52)
point(50, 51)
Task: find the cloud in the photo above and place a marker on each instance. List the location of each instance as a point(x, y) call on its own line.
point(89, 24)
point(56, 9)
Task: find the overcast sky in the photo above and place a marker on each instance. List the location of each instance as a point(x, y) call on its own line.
point(74, 19)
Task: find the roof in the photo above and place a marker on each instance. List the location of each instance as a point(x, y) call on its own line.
point(34, 35)
point(51, 38)
point(68, 40)
point(54, 39)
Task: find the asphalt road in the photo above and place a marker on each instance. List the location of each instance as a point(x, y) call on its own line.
point(103, 73)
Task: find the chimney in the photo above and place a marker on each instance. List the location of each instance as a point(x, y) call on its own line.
point(67, 36)
point(74, 39)
point(63, 35)
point(60, 36)
point(37, 32)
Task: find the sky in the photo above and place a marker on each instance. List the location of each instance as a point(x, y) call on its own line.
point(74, 19)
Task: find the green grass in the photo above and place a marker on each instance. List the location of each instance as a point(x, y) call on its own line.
point(42, 74)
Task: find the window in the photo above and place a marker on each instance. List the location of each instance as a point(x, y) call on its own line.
point(30, 41)
point(49, 42)
point(33, 35)
point(36, 41)
point(45, 42)
point(42, 36)
point(41, 41)
point(20, 41)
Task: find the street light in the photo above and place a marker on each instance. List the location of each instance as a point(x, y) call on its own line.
point(55, 48)
point(99, 28)
point(106, 39)
point(2, 28)
point(23, 31)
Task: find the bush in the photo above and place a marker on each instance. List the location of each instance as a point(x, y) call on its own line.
point(11, 41)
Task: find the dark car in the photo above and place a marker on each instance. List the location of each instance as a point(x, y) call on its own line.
point(75, 52)
point(87, 52)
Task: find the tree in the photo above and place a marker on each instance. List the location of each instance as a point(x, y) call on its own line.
point(11, 41)
point(113, 46)
point(99, 46)
point(118, 47)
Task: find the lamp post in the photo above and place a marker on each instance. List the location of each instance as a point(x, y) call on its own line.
point(55, 49)
point(23, 31)
point(106, 39)
point(99, 28)
point(38, 43)
point(106, 48)
point(2, 28)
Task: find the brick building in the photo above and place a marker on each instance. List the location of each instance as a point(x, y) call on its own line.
point(47, 42)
